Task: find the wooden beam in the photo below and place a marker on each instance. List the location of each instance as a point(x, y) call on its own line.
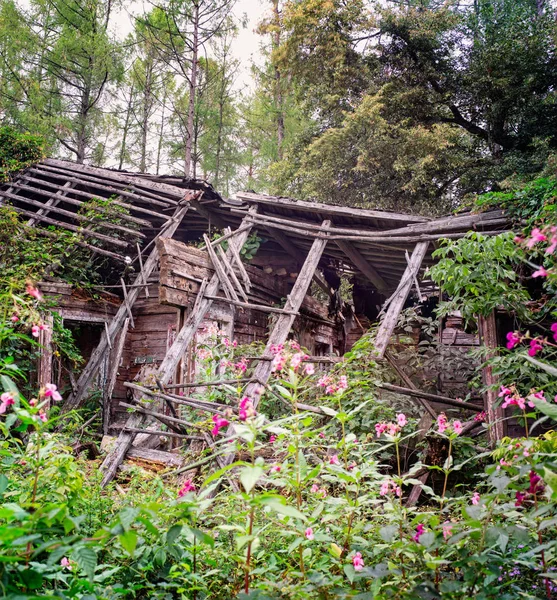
point(409, 383)
point(284, 323)
point(214, 219)
point(432, 397)
point(290, 248)
point(115, 360)
point(51, 202)
point(363, 265)
point(168, 366)
point(75, 400)
point(390, 319)
point(495, 414)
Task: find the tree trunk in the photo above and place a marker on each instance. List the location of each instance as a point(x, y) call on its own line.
point(193, 89)
point(126, 129)
point(146, 110)
point(161, 131)
point(278, 83)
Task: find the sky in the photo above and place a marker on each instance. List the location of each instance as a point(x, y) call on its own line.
point(245, 47)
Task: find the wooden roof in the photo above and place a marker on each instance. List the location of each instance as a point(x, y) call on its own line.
point(372, 243)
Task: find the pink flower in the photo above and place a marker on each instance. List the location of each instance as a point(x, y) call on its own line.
point(66, 563)
point(535, 346)
point(309, 533)
point(33, 291)
point(314, 488)
point(457, 427)
point(389, 486)
point(442, 423)
point(278, 363)
point(296, 360)
point(15, 318)
point(482, 416)
point(276, 469)
point(42, 416)
point(541, 272)
point(535, 237)
point(343, 382)
point(324, 381)
point(35, 331)
point(272, 439)
point(309, 369)
point(553, 246)
point(420, 530)
point(475, 498)
point(219, 424)
point(358, 561)
point(447, 530)
point(554, 331)
point(334, 460)
point(186, 488)
point(6, 399)
point(247, 409)
point(321, 435)
point(401, 419)
point(380, 428)
point(513, 339)
point(519, 498)
point(51, 391)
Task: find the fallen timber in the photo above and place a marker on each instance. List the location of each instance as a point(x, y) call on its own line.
point(431, 397)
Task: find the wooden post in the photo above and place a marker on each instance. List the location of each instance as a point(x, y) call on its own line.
point(168, 366)
point(44, 370)
point(115, 360)
point(75, 400)
point(495, 415)
point(390, 319)
point(363, 265)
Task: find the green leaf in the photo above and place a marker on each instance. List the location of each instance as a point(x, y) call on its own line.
point(335, 550)
point(249, 477)
point(331, 412)
point(388, 533)
point(203, 537)
point(278, 504)
point(128, 540)
point(546, 408)
point(86, 559)
point(173, 533)
point(551, 479)
point(349, 572)
point(3, 483)
point(544, 366)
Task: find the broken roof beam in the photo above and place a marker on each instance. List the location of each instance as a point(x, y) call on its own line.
point(87, 375)
point(363, 265)
point(290, 248)
point(128, 179)
point(329, 209)
point(212, 217)
point(45, 207)
point(53, 201)
point(397, 300)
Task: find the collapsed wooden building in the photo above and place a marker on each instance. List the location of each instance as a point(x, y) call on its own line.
point(188, 259)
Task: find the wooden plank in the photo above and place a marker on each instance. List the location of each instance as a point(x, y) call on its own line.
point(290, 248)
point(230, 270)
point(127, 179)
point(90, 370)
point(213, 218)
point(390, 319)
point(409, 383)
point(51, 206)
point(79, 230)
point(432, 397)
point(115, 360)
point(239, 263)
point(44, 368)
point(169, 364)
point(330, 209)
point(51, 202)
point(226, 285)
point(495, 414)
point(126, 302)
point(156, 456)
point(363, 265)
point(284, 323)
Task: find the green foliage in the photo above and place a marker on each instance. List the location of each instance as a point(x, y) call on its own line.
point(478, 273)
point(17, 151)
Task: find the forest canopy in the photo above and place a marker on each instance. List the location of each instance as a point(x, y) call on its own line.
point(410, 105)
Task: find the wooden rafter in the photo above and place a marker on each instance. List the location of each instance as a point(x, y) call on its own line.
point(363, 265)
point(397, 300)
point(84, 381)
point(167, 368)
